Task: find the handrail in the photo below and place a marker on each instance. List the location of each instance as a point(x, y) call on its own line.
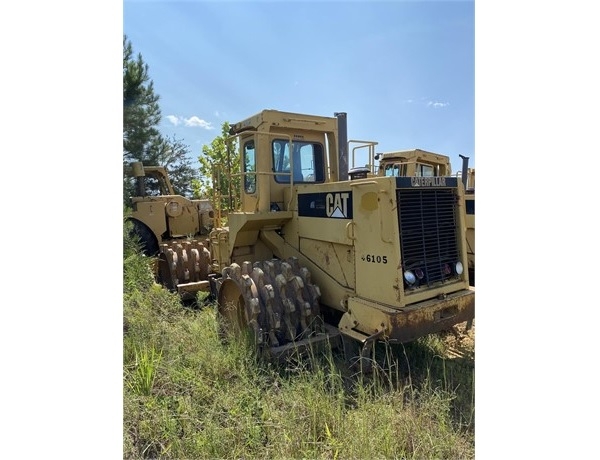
point(370, 145)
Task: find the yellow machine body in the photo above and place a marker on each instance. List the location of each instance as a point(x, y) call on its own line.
point(164, 221)
point(386, 253)
point(421, 163)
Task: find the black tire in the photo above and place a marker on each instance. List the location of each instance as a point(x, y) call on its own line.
point(148, 242)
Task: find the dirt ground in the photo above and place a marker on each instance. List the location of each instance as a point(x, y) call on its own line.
point(460, 342)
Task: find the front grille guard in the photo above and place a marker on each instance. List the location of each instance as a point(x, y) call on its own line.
point(428, 234)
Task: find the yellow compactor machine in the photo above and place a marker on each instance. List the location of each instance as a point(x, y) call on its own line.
point(316, 251)
point(421, 163)
point(161, 218)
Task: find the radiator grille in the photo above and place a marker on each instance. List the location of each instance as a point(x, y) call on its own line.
point(428, 233)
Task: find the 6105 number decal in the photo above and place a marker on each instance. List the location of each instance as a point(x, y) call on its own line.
point(375, 259)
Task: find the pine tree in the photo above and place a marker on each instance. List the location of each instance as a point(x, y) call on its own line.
point(141, 112)
point(142, 140)
point(174, 155)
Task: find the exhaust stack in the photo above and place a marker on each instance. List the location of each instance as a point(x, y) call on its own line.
point(342, 145)
point(139, 174)
point(464, 175)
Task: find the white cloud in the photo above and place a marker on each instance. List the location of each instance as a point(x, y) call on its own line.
point(437, 105)
point(194, 121)
point(173, 119)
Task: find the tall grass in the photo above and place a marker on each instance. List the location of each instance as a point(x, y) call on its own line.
point(144, 371)
point(188, 394)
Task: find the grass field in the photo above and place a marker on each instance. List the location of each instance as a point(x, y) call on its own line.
point(190, 395)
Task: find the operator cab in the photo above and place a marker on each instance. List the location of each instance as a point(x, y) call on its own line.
point(280, 150)
point(410, 163)
point(419, 169)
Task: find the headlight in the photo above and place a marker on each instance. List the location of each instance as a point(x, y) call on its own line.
point(173, 209)
point(409, 277)
point(458, 267)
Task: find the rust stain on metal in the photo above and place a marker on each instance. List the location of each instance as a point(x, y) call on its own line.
point(410, 325)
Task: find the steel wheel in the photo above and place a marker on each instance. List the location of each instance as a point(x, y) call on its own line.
point(275, 301)
point(231, 309)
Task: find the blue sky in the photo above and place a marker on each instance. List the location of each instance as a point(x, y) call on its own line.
point(403, 71)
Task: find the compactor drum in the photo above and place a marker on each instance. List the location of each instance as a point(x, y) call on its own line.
point(275, 301)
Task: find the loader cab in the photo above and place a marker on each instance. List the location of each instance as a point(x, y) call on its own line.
point(151, 180)
point(410, 163)
point(280, 150)
point(292, 162)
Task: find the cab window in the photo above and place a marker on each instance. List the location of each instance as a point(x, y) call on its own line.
point(306, 158)
point(391, 171)
point(395, 170)
point(424, 170)
point(249, 167)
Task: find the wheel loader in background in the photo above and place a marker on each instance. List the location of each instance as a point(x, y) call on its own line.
point(468, 178)
point(420, 163)
point(316, 251)
point(165, 220)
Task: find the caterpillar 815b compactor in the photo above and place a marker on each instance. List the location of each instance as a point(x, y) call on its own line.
point(316, 250)
point(420, 163)
point(162, 219)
